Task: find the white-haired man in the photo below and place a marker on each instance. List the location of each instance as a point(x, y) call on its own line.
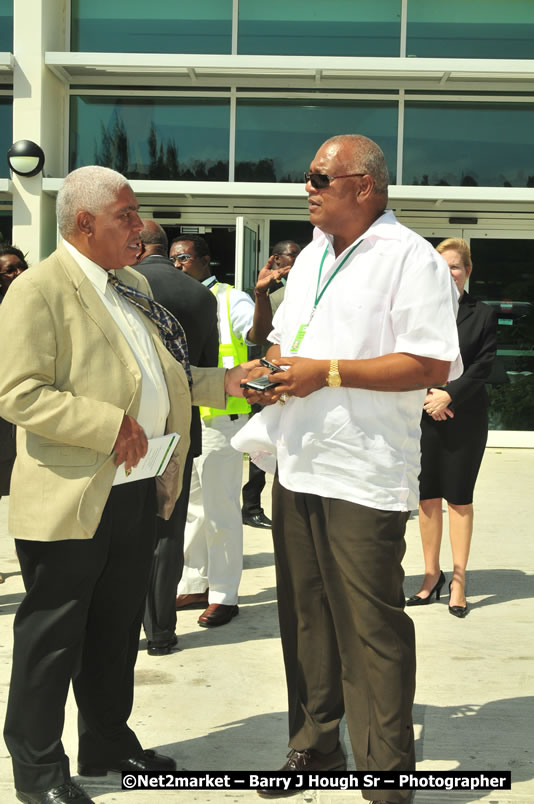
point(87, 379)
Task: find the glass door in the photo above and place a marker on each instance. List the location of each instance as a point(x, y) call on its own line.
point(246, 253)
point(503, 277)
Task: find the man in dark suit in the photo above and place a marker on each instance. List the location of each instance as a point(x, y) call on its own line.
point(196, 309)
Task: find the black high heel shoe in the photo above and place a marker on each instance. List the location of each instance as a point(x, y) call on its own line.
point(415, 600)
point(457, 611)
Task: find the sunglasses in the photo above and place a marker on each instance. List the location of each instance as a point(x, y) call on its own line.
point(319, 181)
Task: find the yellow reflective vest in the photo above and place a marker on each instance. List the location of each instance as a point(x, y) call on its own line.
point(232, 351)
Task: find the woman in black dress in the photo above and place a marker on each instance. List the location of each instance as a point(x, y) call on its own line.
point(454, 431)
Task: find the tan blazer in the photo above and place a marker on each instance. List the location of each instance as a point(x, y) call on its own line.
point(67, 376)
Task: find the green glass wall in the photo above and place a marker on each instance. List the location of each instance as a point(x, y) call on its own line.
point(6, 26)
point(461, 144)
point(6, 133)
point(503, 276)
point(316, 28)
point(148, 138)
point(276, 140)
point(166, 26)
point(471, 29)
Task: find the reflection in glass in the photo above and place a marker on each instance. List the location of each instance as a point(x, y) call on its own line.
point(168, 26)
point(503, 276)
point(316, 28)
point(276, 140)
point(470, 145)
point(471, 29)
point(147, 138)
point(6, 132)
point(6, 26)
point(300, 232)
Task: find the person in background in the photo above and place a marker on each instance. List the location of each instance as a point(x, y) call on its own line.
point(454, 431)
point(196, 310)
point(284, 253)
point(12, 264)
point(213, 549)
point(360, 347)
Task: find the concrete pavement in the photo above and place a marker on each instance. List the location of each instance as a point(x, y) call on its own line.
point(219, 703)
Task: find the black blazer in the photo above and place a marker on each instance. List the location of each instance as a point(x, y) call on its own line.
point(477, 333)
point(196, 310)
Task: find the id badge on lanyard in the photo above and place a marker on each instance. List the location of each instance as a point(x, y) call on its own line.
point(301, 332)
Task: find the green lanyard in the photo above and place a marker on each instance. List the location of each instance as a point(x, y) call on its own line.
point(318, 296)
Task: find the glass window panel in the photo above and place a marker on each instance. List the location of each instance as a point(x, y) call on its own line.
point(477, 145)
point(147, 138)
point(6, 26)
point(6, 133)
point(316, 28)
point(300, 232)
point(471, 29)
point(168, 26)
point(503, 275)
point(6, 225)
point(276, 140)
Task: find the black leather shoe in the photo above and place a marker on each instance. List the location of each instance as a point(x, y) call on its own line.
point(257, 521)
point(415, 600)
point(148, 761)
point(308, 761)
point(161, 648)
point(457, 611)
point(67, 793)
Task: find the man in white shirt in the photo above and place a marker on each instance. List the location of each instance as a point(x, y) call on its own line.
point(88, 378)
point(368, 323)
point(213, 543)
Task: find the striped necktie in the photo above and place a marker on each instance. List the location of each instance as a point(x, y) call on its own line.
point(170, 329)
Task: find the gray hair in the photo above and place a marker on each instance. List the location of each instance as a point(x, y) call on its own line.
point(367, 157)
point(90, 189)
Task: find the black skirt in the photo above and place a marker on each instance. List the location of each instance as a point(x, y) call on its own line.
point(451, 454)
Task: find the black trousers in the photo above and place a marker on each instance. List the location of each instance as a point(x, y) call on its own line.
point(348, 646)
point(167, 567)
point(80, 620)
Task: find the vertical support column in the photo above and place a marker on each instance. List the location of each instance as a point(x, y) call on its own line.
point(40, 103)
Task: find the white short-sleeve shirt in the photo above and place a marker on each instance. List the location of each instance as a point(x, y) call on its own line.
point(241, 310)
point(393, 294)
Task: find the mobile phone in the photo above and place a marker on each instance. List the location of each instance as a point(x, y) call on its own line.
point(262, 383)
point(267, 364)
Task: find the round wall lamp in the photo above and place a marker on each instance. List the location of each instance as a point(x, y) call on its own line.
point(25, 158)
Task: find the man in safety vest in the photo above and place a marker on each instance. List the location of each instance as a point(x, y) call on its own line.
point(213, 545)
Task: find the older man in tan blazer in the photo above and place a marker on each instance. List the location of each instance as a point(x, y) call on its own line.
point(87, 379)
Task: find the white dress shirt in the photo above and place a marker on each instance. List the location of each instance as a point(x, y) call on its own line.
point(393, 294)
point(154, 406)
point(241, 310)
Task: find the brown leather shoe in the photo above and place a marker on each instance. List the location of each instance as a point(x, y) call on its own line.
point(308, 761)
point(217, 614)
point(193, 601)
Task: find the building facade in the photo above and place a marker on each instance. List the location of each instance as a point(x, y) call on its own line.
point(214, 110)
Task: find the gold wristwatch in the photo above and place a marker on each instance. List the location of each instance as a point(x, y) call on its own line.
point(333, 378)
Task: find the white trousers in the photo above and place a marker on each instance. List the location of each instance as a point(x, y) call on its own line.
point(213, 541)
